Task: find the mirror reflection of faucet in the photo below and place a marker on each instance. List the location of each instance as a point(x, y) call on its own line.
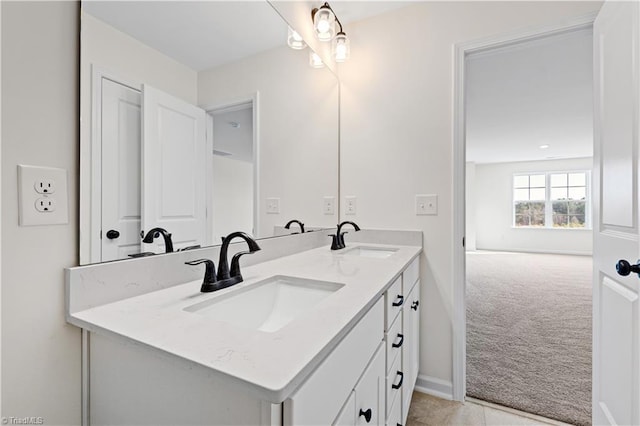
point(300, 224)
point(338, 238)
point(155, 233)
point(226, 277)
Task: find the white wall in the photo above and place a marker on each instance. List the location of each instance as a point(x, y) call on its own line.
point(233, 197)
point(297, 127)
point(121, 56)
point(40, 352)
point(396, 133)
point(494, 211)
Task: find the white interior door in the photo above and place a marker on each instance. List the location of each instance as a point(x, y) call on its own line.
point(173, 169)
point(616, 318)
point(120, 141)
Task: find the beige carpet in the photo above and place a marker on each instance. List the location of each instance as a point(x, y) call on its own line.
point(529, 333)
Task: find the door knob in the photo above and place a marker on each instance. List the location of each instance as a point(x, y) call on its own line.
point(624, 268)
point(112, 234)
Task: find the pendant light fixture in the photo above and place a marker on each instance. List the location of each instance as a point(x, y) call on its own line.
point(295, 40)
point(324, 24)
point(314, 60)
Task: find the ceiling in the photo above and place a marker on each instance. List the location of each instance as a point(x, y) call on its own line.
point(206, 34)
point(528, 95)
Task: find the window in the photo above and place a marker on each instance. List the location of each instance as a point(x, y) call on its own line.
point(551, 200)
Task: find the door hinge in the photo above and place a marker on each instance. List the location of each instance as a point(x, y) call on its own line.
point(101, 234)
point(462, 241)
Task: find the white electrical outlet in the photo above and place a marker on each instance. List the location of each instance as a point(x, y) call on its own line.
point(426, 204)
point(273, 205)
point(42, 193)
point(328, 205)
point(45, 186)
point(350, 205)
point(46, 204)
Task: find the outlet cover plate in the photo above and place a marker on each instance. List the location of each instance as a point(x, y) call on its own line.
point(273, 205)
point(28, 179)
point(328, 205)
point(350, 205)
point(426, 204)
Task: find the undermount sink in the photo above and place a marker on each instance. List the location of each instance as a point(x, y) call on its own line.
point(266, 305)
point(374, 252)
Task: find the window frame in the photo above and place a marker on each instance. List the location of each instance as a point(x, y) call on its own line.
point(548, 202)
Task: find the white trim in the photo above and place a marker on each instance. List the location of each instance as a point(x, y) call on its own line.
point(434, 386)
point(230, 105)
point(85, 359)
point(460, 52)
point(93, 215)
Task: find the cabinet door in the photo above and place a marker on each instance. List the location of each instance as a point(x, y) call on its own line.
point(370, 392)
point(347, 416)
point(411, 348)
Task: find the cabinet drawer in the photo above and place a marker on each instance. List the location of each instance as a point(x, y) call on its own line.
point(335, 377)
point(394, 300)
point(395, 416)
point(395, 341)
point(394, 383)
point(411, 274)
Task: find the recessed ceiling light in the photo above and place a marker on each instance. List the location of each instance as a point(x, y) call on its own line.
point(545, 146)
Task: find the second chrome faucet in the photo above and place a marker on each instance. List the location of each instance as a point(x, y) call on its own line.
point(225, 277)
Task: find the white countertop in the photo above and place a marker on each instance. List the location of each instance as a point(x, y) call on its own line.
point(272, 364)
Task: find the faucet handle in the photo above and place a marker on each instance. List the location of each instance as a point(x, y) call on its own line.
point(209, 274)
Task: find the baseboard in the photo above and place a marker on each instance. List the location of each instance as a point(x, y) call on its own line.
point(434, 386)
point(525, 250)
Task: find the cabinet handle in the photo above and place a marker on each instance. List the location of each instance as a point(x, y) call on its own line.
point(415, 305)
point(397, 345)
point(366, 414)
point(399, 300)
point(399, 385)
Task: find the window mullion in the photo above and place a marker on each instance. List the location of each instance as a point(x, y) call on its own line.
point(547, 204)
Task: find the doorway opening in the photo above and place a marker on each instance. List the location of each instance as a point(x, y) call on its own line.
point(232, 140)
point(523, 320)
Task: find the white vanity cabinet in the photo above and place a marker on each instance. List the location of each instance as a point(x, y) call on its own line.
point(142, 366)
point(402, 342)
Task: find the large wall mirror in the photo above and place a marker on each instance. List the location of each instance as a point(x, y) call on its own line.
point(198, 118)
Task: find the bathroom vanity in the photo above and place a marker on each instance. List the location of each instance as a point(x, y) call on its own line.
point(317, 337)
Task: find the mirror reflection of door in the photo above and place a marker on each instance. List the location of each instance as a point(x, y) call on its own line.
point(153, 148)
point(174, 170)
point(120, 134)
point(233, 169)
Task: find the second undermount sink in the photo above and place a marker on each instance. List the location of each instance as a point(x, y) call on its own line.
point(374, 252)
point(267, 305)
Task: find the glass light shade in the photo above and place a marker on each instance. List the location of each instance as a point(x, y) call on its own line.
point(340, 50)
point(314, 60)
point(324, 22)
point(294, 40)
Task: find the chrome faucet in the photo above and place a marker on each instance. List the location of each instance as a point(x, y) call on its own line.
point(295, 221)
point(155, 233)
point(225, 277)
point(338, 238)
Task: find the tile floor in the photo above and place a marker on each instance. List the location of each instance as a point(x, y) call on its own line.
point(427, 410)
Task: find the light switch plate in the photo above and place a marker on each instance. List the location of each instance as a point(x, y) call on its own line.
point(328, 205)
point(350, 205)
point(426, 204)
point(273, 205)
point(43, 196)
